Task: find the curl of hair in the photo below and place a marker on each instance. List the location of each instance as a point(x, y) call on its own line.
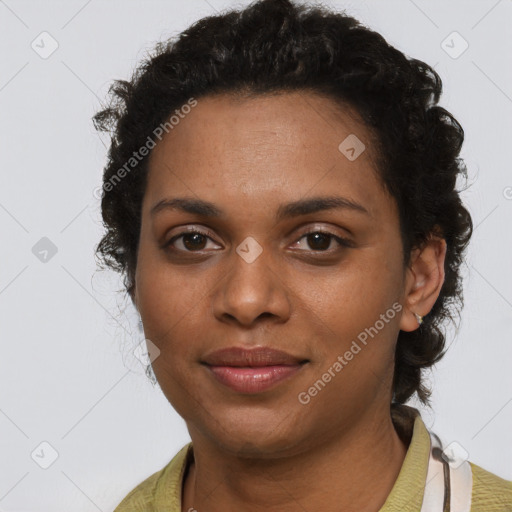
point(275, 46)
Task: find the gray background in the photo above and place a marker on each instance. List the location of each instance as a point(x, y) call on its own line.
point(68, 374)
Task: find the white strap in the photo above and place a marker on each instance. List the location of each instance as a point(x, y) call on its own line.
point(460, 482)
point(433, 497)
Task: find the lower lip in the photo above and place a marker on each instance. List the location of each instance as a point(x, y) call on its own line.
point(253, 379)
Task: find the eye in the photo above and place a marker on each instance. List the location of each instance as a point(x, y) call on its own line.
point(189, 241)
point(319, 240)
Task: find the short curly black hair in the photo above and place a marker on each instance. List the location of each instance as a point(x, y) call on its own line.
point(279, 46)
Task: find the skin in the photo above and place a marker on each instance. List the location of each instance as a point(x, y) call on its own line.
point(309, 298)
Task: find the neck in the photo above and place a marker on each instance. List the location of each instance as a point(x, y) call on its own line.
point(334, 475)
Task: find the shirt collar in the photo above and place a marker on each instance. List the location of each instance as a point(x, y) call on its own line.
point(407, 492)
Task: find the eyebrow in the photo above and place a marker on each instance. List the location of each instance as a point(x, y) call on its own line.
point(285, 211)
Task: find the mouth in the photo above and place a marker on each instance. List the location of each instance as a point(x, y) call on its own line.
point(252, 371)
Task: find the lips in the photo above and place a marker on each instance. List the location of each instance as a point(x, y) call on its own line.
point(252, 370)
point(259, 356)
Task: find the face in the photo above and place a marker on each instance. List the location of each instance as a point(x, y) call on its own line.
point(308, 281)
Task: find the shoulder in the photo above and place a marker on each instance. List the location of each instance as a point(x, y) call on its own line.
point(491, 493)
point(142, 497)
point(164, 483)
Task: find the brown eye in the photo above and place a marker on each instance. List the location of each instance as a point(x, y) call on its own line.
point(321, 241)
point(188, 241)
point(194, 241)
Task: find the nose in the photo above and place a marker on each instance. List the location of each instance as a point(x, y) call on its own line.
point(251, 291)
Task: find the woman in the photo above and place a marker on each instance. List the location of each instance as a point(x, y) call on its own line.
point(280, 196)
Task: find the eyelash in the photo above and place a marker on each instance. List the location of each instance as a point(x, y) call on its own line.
point(343, 242)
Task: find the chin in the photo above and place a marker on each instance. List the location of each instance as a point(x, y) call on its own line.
point(249, 447)
point(255, 434)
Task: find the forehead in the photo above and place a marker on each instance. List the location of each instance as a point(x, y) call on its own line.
point(275, 146)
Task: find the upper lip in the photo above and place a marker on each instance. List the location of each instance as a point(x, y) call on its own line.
point(258, 356)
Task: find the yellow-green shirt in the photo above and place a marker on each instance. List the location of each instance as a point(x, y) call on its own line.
point(161, 492)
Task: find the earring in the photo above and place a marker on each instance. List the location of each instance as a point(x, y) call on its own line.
point(419, 318)
point(150, 374)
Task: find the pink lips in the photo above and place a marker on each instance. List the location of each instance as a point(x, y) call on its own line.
point(254, 370)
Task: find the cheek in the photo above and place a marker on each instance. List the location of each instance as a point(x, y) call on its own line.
point(168, 307)
point(165, 296)
point(175, 310)
point(356, 293)
point(358, 312)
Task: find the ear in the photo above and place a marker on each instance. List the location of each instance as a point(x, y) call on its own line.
point(424, 280)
